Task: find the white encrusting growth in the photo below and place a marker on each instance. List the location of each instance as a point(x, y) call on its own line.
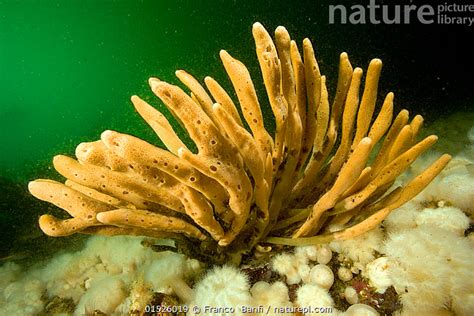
point(360, 250)
point(105, 275)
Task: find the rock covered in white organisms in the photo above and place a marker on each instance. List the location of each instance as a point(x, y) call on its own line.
point(442, 260)
point(449, 218)
point(361, 249)
point(105, 295)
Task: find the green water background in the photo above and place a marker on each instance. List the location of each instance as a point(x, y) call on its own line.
point(68, 69)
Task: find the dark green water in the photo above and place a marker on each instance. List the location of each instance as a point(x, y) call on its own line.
point(68, 68)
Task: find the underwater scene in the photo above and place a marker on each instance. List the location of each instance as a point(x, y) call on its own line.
point(236, 158)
